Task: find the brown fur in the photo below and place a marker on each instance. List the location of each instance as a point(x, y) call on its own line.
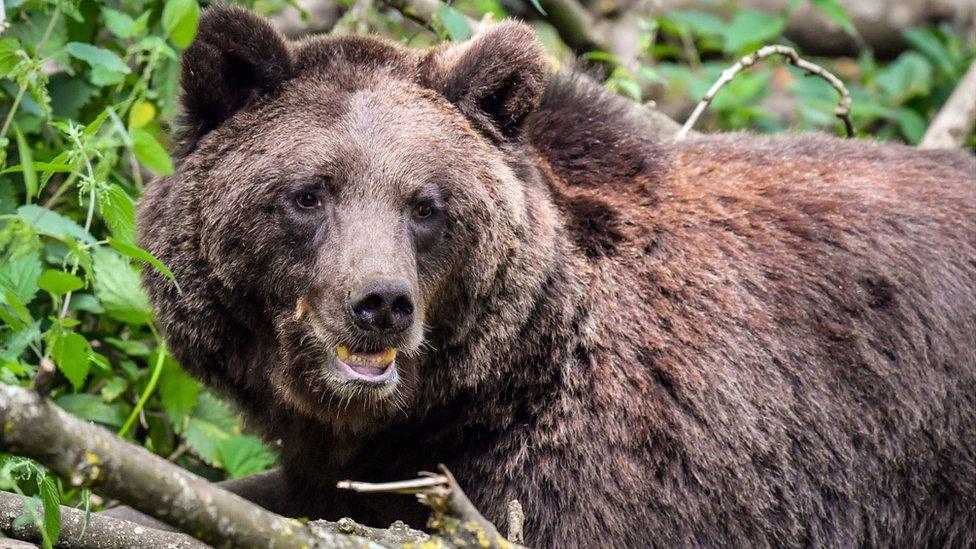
point(730, 340)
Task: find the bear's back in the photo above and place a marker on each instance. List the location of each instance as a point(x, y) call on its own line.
point(784, 325)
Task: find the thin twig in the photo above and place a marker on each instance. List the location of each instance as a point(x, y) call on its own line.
point(843, 110)
point(413, 486)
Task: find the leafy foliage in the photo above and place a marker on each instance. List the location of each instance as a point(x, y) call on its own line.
point(87, 101)
point(893, 101)
point(88, 92)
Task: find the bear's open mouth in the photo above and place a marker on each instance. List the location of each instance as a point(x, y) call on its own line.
point(373, 366)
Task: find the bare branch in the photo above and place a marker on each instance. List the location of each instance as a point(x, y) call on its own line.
point(843, 108)
point(957, 117)
point(101, 532)
point(413, 486)
point(455, 518)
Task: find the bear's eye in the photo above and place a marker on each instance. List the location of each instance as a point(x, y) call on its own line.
point(307, 200)
point(423, 210)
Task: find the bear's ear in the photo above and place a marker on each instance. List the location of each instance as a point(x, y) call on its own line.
point(495, 79)
point(235, 58)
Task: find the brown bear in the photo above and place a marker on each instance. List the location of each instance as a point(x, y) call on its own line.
point(392, 258)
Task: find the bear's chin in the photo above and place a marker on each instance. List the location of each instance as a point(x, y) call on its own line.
point(327, 392)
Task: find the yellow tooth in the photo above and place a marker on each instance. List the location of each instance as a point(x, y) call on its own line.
point(388, 356)
point(342, 352)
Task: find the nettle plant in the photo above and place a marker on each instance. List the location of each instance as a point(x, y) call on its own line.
point(685, 51)
point(87, 90)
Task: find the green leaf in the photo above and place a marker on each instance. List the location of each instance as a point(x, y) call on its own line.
point(96, 124)
point(911, 123)
point(178, 392)
point(9, 58)
point(69, 94)
point(212, 421)
point(602, 56)
point(751, 28)
point(908, 76)
point(698, 22)
point(51, 500)
point(118, 23)
point(932, 48)
point(59, 282)
point(139, 254)
point(113, 388)
point(119, 212)
point(244, 455)
point(53, 224)
point(70, 353)
point(20, 274)
point(27, 162)
point(836, 12)
point(19, 309)
point(93, 408)
point(131, 347)
point(97, 57)
point(122, 25)
point(8, 199)
point(150, 152)
point(103, 78)
point(46, 167)
point(86, 302)
point(180, 18)
point(117, 288)
point(455, 23)
point(16, 343)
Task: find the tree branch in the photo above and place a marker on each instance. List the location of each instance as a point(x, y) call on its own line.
point(843, 108)
point(956, 119)
point(87, 455)
point(101, 532)
point(455, 517)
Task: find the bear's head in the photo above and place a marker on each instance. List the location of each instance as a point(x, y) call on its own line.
point(343, 208)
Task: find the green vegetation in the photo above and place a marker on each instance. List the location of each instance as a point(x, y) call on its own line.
point(87, 101)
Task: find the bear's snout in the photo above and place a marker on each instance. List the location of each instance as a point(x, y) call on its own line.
point(383, 306)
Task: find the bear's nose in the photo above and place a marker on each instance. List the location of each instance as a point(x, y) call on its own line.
point(382, 306)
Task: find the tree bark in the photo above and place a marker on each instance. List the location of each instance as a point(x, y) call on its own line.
point(101, 532)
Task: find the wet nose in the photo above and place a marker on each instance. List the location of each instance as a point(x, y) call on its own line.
point(382, 306)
